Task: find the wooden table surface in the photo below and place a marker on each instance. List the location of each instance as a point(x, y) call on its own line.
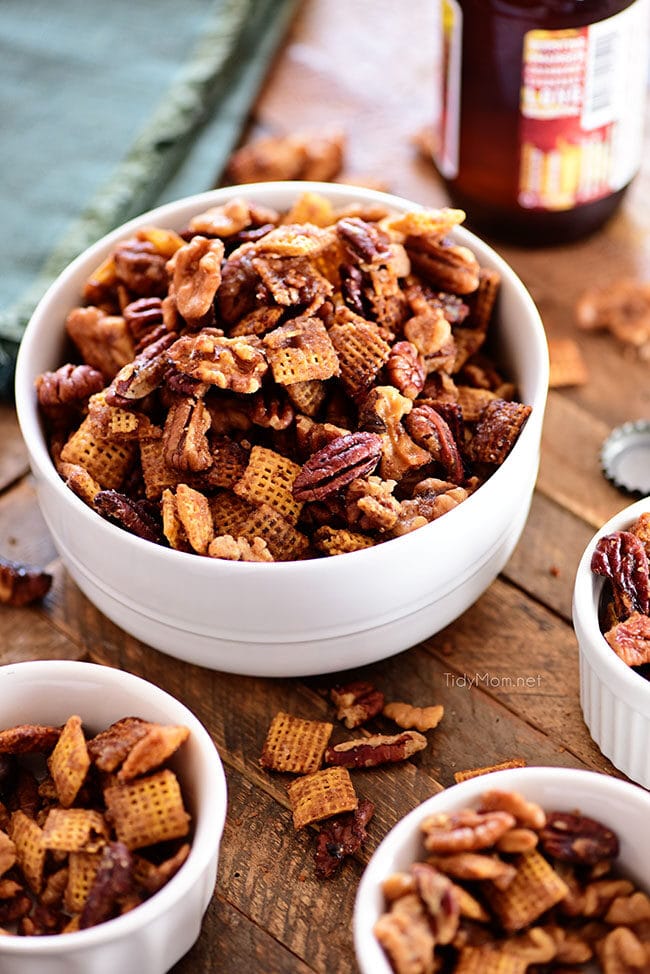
point(368, 68)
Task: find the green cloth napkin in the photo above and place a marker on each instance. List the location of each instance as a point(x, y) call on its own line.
point(107, 110)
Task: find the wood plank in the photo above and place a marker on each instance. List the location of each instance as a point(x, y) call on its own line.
point(525, 658)
point(230, 941)
point(570, 467)
point(544, 562)
point(13, 454)
point(23, 533)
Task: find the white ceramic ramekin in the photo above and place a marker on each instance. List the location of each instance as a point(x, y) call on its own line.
point(615, 700)
point(618, 804)
point(156, 934)
point(291, 618)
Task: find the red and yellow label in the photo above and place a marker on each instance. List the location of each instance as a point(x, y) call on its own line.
point(581, 110)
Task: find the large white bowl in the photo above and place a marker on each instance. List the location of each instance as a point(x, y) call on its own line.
point(156, 934)
point(618, 804)
point(304, 617)
point(615, 700)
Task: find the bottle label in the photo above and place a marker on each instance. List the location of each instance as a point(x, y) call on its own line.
point(447, 124)
point(581, 110)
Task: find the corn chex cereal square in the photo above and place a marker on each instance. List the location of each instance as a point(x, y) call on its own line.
point(82, 870)
point(147, 810)
point(321, 795)
point(106, 461)
point(229, 513)
point(534, 890)
point(268, 479)
point(69, 761)
point(283, 540)
point(300, 351)
point(294, 744)
point(74, 830)
point(27, 837)
point(362, 353)
point(109, 748)
point(567, 364)
point(489, 960)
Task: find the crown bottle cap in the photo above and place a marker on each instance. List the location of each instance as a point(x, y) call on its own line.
point(625, 457)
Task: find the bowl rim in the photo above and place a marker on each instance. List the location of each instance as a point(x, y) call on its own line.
point(165, 214)
point(465, 794)
point(586, 595)
point(207, 832)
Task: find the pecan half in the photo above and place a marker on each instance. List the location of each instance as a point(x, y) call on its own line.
point(141, 268)
point(21, 584)
point(365, 242)
point(405, 369)
point(132, 515)
point(621, 556)
point(464, 831)
point(406, 937)
point(143, 317)
point(336, 465)
point(143, 375)
point(368, 752)
point(441, 899)
point(429, 430)
point(185, 444)
point(630, 639)
point(341, 836)
point(356, 703)
point(577, 839)
point(69, 386)
point(446, 266)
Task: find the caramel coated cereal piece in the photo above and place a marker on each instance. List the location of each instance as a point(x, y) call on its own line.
point(361, 351)
point(301, 351)
point(82, 870)
point(74, 830)
point(535, 888)
point(69, 761)
point(30, 849)
point(420, 718)
point(229, 513)
point(28, 739)
point(7, 853)
point(284, 542)
point(502, 766)
point(106, 461)
point(158, 744)
point(321, 795)
point(147, 810)
point(268, 479)
point(110, 747)
point(499, 426)
point(489, 959)
point(294, 744)
point(79, 480)
point(567, 364)
point(152, 876)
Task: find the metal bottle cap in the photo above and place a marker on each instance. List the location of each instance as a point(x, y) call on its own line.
point(625, 457)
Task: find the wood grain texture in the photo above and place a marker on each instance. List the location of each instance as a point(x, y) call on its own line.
point(506, 672)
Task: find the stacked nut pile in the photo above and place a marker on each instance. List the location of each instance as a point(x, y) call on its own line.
point(506, 889)
point(271, 386)
point(623, 558)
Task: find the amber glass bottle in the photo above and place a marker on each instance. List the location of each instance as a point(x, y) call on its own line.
point(542, 104)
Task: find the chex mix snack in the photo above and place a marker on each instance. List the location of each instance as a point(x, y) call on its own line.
point(89, 826)
point(266, 386)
